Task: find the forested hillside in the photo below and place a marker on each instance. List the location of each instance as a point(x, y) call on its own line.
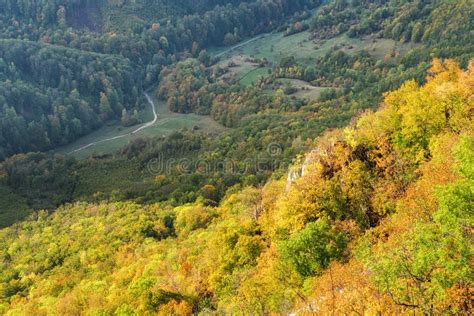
point(217, 157)
point(59, 11)
point(51, 95)
point(353, 232)
point(84, 90)
point(418, 21)
point(94, 76)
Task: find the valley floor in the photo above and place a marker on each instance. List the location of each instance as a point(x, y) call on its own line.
point(111, 138)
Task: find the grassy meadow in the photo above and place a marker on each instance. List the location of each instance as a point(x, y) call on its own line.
point(167, 123)
point(275, 46)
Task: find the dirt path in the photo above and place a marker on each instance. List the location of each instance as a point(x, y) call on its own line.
point(146, 125)
point(155, 116)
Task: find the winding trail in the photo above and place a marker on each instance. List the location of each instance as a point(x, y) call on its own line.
point(155, 116)
point(146, 125)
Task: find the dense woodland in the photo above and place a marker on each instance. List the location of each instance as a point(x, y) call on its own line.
point(51, 95)
point(358, 201)
point(353, 232)
point(417, 21)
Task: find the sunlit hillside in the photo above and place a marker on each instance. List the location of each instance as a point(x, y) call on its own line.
point(236, 157)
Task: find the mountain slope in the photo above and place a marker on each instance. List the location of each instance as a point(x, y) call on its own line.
point(372, 199)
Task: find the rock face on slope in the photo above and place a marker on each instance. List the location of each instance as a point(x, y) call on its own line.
point(299, 170)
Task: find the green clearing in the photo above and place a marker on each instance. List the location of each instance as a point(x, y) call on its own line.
point(12, 207)
point(167, 123)
point(275, 46)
